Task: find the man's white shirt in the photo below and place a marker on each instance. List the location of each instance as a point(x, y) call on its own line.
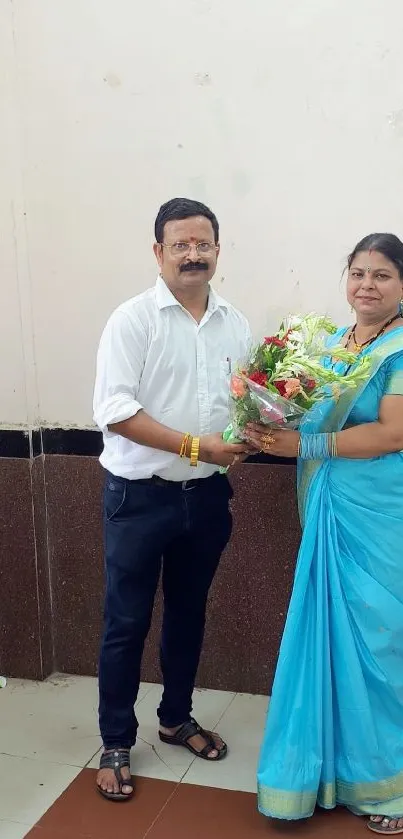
point(154, 356)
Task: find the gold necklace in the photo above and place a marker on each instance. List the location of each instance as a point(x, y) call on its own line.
point(358, 347)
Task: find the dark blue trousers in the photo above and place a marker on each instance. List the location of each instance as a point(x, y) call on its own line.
point(149, 525)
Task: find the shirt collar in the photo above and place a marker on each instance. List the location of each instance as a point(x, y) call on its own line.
point(165, 298)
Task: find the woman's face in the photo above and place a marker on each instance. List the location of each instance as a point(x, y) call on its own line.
point(374, 287)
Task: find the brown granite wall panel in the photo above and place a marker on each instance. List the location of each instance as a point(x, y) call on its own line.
point(250, 594)
point(43, 565)
point(266, 543)
point(51, 574)
point(249, 597)
point(74, 505)
point(20, 649)
point(73, 492)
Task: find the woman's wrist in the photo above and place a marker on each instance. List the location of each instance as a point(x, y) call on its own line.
point(317, 446)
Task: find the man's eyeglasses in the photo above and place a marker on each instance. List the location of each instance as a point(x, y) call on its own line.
point(184, 248)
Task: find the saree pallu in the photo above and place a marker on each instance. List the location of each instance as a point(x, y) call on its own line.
point(334, 731)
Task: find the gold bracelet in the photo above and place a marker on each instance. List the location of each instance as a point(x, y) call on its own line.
point(184, 444)
point(195, 451)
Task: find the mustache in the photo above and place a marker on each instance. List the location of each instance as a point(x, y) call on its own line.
point(193, 266)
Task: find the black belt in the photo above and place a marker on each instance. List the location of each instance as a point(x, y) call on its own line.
point(155, 480)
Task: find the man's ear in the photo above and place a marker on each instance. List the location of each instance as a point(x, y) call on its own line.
point(158, 251)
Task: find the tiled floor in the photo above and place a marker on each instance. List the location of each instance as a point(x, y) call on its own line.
point(49, 747)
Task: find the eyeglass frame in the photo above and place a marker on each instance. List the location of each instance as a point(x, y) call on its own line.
point(211, 245)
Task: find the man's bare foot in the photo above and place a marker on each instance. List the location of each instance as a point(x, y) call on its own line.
point(110, 779)
point(385, 825)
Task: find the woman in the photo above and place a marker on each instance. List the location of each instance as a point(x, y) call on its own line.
point(334, 731)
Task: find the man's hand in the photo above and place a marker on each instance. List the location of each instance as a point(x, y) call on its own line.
point(214, 450)
point(146, 431)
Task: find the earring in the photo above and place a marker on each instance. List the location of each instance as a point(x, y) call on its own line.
point(401, 308)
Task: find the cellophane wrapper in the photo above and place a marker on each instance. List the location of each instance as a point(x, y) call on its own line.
point(258, 404)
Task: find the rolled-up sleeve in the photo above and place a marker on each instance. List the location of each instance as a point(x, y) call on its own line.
point(120, 362)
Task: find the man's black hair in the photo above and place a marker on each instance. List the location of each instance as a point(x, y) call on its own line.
point(180, 208)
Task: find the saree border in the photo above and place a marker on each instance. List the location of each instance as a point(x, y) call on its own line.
point(283, 804)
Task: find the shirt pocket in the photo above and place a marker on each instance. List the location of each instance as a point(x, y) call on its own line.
point(225, 370)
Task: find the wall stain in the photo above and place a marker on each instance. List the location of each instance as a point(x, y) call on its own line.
point(202, 79)
point(112, 80)
point(395, 119)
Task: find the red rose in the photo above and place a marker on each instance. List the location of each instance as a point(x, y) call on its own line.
point(258, 378)
point(309, 384)
point(288, 387)
point(281, 386)
point(276, 341)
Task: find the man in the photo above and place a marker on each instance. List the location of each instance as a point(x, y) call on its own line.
point(161, 400)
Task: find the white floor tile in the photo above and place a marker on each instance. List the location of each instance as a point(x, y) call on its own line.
point(242, 728)
point(28, 788)
point(13, 830)
point(210, 706)
point(55, 720)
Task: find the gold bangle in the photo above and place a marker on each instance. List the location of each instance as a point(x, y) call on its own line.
point(195, 451)
point(184, 444)
point(332, 444)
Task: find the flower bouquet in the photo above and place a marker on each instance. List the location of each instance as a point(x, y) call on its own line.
point(287, 374)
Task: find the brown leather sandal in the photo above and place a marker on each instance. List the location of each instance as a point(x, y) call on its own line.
point(189, 730)
point(117, 760)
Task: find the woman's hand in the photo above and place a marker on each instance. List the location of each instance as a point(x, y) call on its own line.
point(272, 440)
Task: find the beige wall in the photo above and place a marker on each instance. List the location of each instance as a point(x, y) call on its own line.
point(287, 117)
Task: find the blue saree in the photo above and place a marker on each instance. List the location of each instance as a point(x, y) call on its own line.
point(334, 730)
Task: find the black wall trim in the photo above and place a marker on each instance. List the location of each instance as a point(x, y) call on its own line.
point(78, 442)
point(74, 441)
point(14, 443)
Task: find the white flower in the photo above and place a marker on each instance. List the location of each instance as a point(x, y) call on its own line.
point(294, 338)
point(294, 321)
